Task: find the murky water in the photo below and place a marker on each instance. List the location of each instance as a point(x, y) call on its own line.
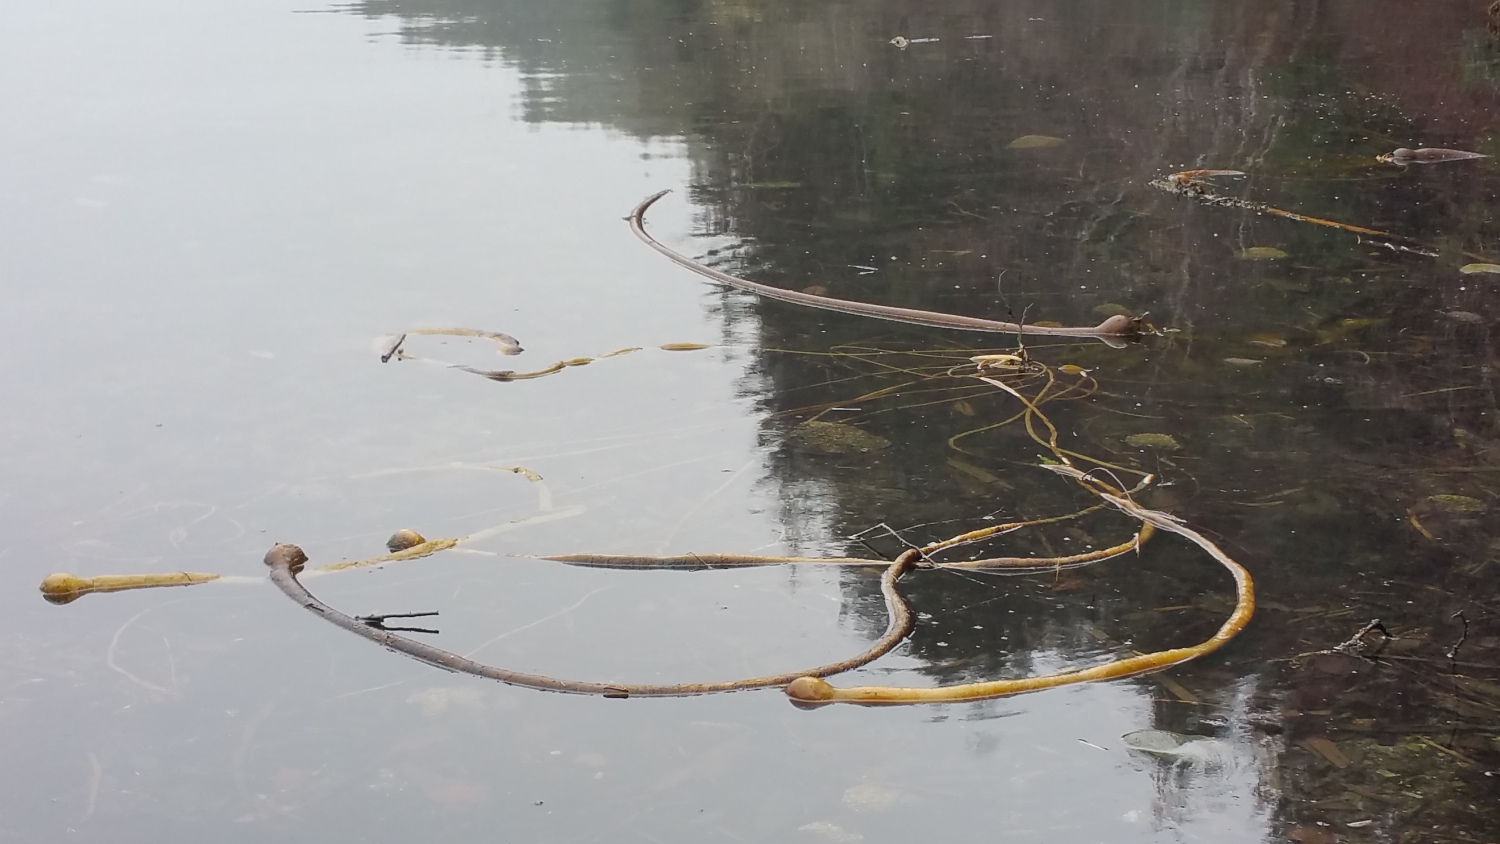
point(216, 219)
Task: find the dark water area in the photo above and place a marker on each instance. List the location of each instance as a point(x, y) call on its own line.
point(216, 220)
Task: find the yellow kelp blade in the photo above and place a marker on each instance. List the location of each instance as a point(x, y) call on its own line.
point(64, 588)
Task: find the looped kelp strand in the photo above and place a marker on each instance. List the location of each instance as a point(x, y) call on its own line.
point(286, 561)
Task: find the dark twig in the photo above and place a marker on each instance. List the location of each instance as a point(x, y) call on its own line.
point(1462, 635)
point(394, 350)
point(378, 621)
point(1355, 645)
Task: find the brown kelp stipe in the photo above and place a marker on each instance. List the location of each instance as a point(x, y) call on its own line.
point(286, 561)
point(1112, 331)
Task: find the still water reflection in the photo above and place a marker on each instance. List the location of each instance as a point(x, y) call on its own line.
point(220, 217)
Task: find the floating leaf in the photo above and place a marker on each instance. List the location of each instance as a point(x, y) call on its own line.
point(963, 408)
point(1242, 361)
point(683, 347)
point(1464, 317)
point(1072, 369)
point(1034, 142)
point(1177, 689)
point(1109, 309)
point(1328, 750)
point(1469, 269)
point(1159, 742)
point(1427, 155)
point(1162, 442)
point(1262, 253)
point(1177, 747)
point(1355, 323)
point(836, 438)
point(975, 472)
point(815, 290)
point(1457, 504)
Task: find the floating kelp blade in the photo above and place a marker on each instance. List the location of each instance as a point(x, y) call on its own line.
point(1426, 155)
point(1116, 328)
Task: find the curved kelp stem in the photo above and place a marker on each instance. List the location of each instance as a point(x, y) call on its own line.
point(815, 691)
point(1112, 330)
point(287, 560)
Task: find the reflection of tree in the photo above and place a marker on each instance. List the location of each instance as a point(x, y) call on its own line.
point(826, 150)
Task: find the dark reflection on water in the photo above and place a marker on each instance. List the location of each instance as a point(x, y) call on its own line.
point(1329, 400)
point(1330, 407)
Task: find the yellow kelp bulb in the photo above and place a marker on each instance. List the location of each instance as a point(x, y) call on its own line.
point(809, 690)
point(404, 539)
point(63, 588)
point(287, 555)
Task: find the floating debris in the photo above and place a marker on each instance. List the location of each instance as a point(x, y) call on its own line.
point(1426, 155)
point(901, 43)
point(1034, 142)
point(1243, 361)
point(1328, 750)
point(1463, 317)
point(684, 347)
point(832, 832)
point(1460, 505)
point(1262, 253)
point(1160, 442)
point(1269, 341)
point(836, 438)
point(1188, 177)
point(1177, 747)
point(1470, 269)
point(866, 796)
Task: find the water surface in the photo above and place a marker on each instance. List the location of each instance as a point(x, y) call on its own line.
point(218, 218)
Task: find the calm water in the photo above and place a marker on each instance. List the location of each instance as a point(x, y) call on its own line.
point(216, 219)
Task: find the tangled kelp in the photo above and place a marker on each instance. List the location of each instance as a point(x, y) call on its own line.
point(1032, 383)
